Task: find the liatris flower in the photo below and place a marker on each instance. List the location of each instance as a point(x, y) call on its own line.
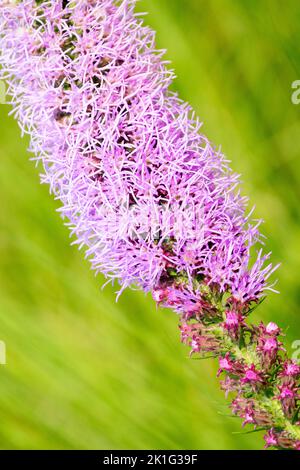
point(148, 196)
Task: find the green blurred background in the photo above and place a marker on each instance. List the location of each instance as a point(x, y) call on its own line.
point(85, 372)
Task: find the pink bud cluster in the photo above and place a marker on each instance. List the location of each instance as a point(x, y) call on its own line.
point(258, 376)
point(271, 374)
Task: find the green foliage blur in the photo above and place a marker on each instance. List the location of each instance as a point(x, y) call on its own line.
point(85, 372)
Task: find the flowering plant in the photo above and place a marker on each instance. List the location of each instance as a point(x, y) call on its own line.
point(152, 201)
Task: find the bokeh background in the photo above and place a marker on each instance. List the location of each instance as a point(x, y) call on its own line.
point(85, 372)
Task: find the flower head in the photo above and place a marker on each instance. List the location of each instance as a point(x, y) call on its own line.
point(233, 323)
point(272, 329)
point(225, 364)
point(141, 188)
point(290, 369)
point(252, 375)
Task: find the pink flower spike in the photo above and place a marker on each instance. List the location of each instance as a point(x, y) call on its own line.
point(232, 320)
point(272, 329)
point(271, 439)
